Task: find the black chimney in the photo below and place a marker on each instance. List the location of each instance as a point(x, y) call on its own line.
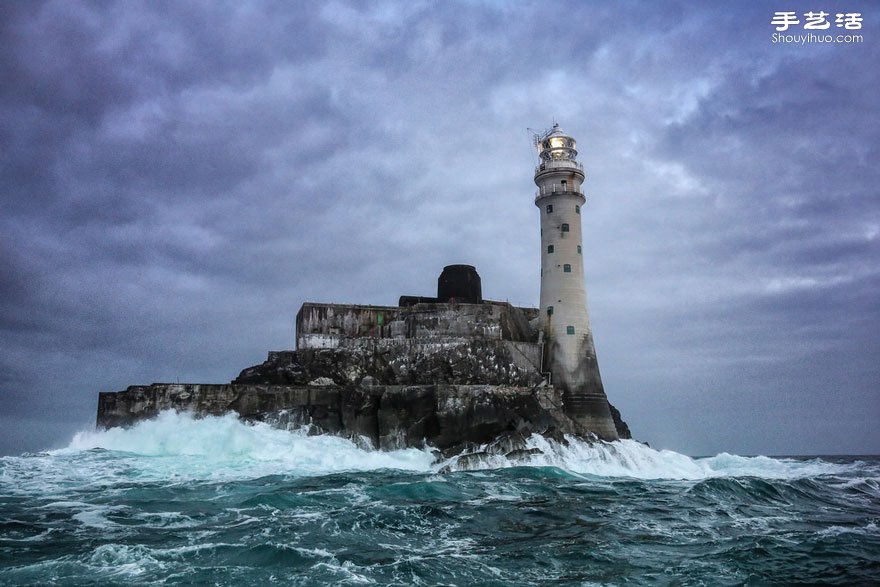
point(460, 283)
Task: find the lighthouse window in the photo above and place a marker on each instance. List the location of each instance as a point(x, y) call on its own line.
point(569, 330)
point(566, 268)
point(549, 248)
point(549, 310)
point(549, 208)
point(577, 209)
point(564, 228)
point(579, 249)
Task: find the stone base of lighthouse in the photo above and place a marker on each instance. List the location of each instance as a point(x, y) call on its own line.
point(583, 393)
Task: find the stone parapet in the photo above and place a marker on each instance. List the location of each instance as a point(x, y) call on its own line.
point(326, 325)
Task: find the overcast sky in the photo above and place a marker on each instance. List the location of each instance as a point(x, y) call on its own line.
point(178, 177)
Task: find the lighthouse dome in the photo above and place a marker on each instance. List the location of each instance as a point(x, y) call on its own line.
point(555, 145)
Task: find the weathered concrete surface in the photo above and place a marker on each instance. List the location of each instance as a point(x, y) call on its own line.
point(575, 371)
point(330, 325)
point(448, 417)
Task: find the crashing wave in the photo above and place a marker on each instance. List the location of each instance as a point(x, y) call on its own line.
point(226, 446)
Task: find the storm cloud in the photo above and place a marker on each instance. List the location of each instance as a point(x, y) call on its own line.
point(177, 178)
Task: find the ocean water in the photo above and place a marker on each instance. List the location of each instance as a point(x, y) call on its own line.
point(178, 501)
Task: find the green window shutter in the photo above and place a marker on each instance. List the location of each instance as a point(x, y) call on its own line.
point(565, 228)
point(569, 330)
point(566, 268)
point(550, 248)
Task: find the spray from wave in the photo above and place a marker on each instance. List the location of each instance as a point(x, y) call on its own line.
point(218, 446)
point(628, 458)
point(177, 443)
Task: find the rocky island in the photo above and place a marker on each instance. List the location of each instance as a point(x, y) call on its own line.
point(453, 372)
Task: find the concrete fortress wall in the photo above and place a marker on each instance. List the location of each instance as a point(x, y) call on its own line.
point(336, 325)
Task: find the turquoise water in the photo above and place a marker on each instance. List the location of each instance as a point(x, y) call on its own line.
point(214, 501)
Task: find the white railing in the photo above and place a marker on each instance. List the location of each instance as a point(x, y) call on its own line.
point(556, 188)
point(557, 164)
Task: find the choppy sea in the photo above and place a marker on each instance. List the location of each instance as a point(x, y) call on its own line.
point(214, 501)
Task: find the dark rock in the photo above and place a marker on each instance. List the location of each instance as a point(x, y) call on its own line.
point(477, 361)
point(510, 446)
point(466, 462)
point(407, 416)
point(622, 428)
point(448, 417)
point(523, 453)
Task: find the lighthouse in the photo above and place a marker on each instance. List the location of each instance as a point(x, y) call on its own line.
point(569, 352)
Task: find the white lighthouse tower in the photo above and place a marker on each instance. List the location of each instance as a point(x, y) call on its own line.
point(569, 355)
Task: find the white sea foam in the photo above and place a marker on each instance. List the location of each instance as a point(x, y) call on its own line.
point(344, 572)
point(179, 446)
point(120, 560)
point(222, 447)
point(869, 529)
point(628, 458)
point(96, 516)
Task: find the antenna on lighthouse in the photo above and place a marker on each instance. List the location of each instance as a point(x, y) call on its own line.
point(535, 136)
